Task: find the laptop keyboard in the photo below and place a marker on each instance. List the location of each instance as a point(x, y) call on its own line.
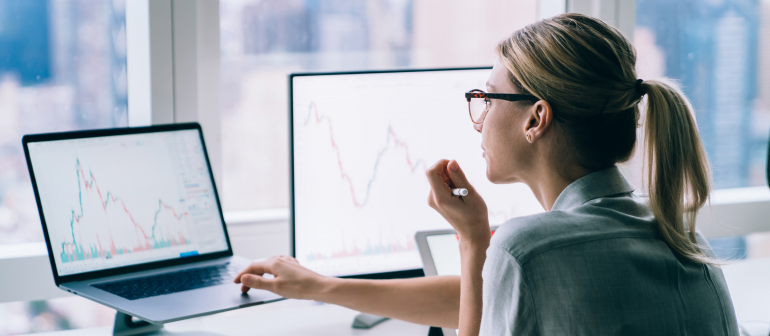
point(172, 282)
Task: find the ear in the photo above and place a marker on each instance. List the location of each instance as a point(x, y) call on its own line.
point(539, 118)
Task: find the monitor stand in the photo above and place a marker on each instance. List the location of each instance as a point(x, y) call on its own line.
point(125, 325)
point(367, 321)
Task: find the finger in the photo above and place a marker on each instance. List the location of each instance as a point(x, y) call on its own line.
point(434, 200)
point(257, 282)
point(435, 178)
point(441, 168)
point(439, 191)
point(246, 270)
point(257, 268)
point(457, 175)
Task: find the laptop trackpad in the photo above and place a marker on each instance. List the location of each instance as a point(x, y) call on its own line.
point(201, 301)
point(224, 296)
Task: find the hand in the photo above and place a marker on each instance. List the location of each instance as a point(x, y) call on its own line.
point(289, 280)
point(467, 214)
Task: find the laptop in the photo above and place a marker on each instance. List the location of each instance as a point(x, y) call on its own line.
point(440, 254)
point(132, 220)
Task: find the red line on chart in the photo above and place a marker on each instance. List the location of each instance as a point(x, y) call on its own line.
point(313, 112)
point(74, 251)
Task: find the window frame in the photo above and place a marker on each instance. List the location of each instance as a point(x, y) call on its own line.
point(172, 44)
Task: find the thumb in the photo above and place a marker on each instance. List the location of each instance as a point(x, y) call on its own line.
point(257, 282)
point(457, 175)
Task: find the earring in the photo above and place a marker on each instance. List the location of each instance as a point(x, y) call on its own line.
point(529, 137)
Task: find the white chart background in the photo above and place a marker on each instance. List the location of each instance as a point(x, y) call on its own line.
point(355, 134)
point(138, 170)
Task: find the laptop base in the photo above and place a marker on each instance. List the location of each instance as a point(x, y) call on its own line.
point(125, 325)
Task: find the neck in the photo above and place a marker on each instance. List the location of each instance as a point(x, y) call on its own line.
point(548, 182)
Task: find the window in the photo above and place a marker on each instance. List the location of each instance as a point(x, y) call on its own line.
point(62, 67)
point(55, 314)
point(263, 41)
point(720, 52)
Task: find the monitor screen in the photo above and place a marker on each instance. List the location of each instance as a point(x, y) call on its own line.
point(123, 200)
point(361, 143)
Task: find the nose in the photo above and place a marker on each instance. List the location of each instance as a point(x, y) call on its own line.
point(478, 126)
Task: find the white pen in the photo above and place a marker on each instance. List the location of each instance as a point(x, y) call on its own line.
point(459, 191)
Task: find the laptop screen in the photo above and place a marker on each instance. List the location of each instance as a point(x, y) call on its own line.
point(445, 251)
point(123, 200)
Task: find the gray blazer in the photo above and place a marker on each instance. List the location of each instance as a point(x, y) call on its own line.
point(596, 265)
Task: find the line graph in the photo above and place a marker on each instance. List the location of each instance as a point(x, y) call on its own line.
point(75, 251)
point(391, 135)
point(359, 188)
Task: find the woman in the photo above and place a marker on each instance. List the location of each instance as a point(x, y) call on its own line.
point(600, 261)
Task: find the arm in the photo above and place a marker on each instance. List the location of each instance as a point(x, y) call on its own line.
point(472, 257)
point(469, 216)
point(436, 301)
point(431, 301)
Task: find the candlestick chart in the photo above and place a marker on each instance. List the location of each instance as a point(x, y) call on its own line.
point(155, 237)
point(119, 200)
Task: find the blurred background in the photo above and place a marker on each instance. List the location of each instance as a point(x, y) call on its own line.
point(63, 67)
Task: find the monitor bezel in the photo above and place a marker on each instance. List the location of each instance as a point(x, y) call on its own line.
point(59, 279)
point(406, 273)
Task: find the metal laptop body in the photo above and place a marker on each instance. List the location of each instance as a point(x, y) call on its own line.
point(154, 309)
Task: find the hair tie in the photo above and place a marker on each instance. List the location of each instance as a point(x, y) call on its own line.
point(638, 87)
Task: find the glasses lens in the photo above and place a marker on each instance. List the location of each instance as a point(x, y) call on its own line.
point(478, 106)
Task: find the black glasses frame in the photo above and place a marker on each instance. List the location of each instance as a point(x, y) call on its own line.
point(476, 93)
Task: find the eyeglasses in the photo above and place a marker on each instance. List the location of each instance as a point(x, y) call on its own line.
point(478, 102)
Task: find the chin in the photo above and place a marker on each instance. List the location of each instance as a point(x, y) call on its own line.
point(496, 178)
point(493, 178)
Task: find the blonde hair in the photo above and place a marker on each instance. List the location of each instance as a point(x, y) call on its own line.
point(585, 69)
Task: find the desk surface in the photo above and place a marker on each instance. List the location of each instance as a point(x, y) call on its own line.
point(749, 284)
point(748, 280)
point(290, 317)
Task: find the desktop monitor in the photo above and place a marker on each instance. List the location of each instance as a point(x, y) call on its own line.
point(360, 143)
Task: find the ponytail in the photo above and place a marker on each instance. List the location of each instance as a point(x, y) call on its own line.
point(677, 168)
point(585, 69)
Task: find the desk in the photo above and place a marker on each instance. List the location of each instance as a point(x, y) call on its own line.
point(748, 281)
point(749, 284)
point(290, 317)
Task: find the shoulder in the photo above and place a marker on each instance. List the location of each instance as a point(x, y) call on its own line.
point(623, 216)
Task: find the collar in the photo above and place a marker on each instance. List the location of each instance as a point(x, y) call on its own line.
point(592, 186)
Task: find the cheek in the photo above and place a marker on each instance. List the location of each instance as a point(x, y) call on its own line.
point(498, 132)
point(503, 151)
point(497, 137)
